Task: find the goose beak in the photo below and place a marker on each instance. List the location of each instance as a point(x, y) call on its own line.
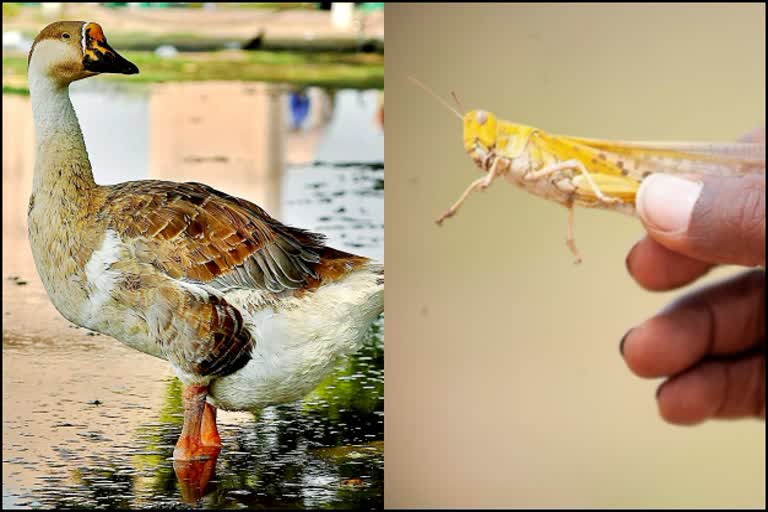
point(99, 57)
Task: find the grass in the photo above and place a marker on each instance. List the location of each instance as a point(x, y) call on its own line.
point(22, 91)
point(331, 70)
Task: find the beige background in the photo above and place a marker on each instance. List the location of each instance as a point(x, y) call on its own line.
point(504, 384)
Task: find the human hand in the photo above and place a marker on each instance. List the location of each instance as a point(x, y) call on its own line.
point(710, 344)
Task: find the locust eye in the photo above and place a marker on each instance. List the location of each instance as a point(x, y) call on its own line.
point(65, 35)
point(481, 116)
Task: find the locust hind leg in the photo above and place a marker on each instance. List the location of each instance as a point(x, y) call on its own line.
point(478, 184)
point(577, 166)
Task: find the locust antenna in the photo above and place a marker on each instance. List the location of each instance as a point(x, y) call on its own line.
point(456, 99)
point(438, 98)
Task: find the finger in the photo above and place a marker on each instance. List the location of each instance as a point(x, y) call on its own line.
point(726, 318)
point(756, 135)
point(715, 219)
point(715, 389)
point(657, 268)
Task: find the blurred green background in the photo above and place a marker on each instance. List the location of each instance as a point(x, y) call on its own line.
point(505, 387)
point(299, 43)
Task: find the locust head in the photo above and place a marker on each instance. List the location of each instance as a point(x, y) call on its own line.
point(480, 136)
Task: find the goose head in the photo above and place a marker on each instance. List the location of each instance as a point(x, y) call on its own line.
point(66, 51)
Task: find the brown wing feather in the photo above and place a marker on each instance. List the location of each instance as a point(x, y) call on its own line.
point(192, 231)
point(229, 342)
point(195, 233)
point(195, 327)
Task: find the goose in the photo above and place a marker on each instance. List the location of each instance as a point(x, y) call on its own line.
point(249, 312)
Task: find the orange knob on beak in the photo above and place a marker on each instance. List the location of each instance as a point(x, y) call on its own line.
point(99, 57)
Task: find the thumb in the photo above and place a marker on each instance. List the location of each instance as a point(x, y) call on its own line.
point(716, 219)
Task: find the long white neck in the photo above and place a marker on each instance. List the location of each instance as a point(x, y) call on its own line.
point(61, 155)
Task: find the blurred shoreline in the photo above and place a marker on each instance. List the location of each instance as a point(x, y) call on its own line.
point(306, 28)
point(298, 46)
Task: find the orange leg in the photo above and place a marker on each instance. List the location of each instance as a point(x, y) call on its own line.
point(190, 445)
point(209, 433)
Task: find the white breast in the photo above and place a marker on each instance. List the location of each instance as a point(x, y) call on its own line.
point(100, 278)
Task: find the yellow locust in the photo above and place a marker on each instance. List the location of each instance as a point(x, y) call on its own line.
point(586, 172)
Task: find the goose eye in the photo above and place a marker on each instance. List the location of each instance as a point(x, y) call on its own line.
point(65, 35)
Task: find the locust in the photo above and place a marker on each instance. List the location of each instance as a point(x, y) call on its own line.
point(592, 173)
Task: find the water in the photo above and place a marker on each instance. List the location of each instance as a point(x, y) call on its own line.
point(88, 422)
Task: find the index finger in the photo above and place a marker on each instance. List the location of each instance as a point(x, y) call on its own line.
point(657, 268)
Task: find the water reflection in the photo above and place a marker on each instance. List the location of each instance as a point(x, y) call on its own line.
point(229, 135)
point(88, 422)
